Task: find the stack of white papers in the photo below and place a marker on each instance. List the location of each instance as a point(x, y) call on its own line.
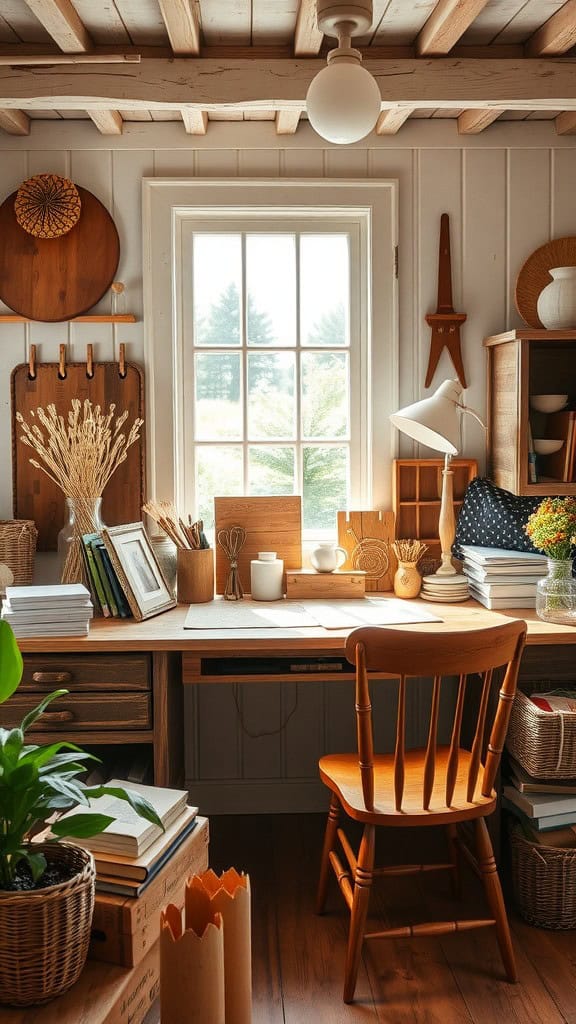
point(499, 578)
point(64, 609)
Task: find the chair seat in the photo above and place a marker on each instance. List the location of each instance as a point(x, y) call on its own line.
point(340, 772)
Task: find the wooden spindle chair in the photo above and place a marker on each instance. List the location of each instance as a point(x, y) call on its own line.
point(438, 785)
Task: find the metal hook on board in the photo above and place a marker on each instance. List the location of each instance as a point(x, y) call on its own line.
point(32, 363)
point(89, 361)
point(122, 360)
point(62, 363)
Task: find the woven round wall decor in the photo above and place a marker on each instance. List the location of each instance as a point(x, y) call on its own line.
point(47, 206)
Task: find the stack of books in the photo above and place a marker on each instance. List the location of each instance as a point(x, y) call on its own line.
point(62, 609)
point(500, 578)
point(107, 594)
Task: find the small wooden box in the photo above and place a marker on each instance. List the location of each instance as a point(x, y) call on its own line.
point(307, 583)
point(124, 928)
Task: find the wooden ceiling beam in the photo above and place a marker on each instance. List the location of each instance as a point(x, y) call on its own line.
point(287, 121)
point(557, 35)
point(15, 122)
point(390, 121)
point(565, 123)
point(210, 84)
point(182, 25)
point(445, 26)
point(61, 21)
point(31, 53)
point(472, 122)
point(307, 36)
point(108, 122)
point(195, 121)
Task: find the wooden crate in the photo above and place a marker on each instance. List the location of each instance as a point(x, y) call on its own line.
point(309, 584)
point(124, 928)
point(416, 494)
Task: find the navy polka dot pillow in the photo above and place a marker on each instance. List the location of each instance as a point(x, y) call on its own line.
point(493, 518)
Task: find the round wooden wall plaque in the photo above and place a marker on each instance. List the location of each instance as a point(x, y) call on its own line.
point(54, 279)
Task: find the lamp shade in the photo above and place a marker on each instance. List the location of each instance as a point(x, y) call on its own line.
point(343, 100)
point(434, 421)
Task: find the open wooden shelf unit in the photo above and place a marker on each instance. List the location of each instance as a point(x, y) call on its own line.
point(417, 490)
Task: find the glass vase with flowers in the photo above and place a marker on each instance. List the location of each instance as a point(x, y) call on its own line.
point(552, 529)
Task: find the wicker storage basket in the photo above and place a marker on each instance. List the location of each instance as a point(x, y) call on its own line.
point(543, 742)
point(44, 934)
point(18, 547)
point(544, 882)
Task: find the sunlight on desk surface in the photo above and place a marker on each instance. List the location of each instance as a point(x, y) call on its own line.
point(247, 614)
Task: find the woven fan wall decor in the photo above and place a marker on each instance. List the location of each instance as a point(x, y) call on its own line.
point(47, 206)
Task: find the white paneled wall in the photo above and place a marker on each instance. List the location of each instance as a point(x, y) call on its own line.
point(507, 191)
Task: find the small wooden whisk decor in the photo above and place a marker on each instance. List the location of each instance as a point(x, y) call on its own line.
point(232, 541)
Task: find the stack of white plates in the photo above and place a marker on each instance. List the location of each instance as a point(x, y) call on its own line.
point(445, 589)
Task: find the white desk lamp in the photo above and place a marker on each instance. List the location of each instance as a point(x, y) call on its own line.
point(436, 422)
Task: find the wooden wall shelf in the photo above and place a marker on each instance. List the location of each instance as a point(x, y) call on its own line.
point(417, 490)
point(118, 318)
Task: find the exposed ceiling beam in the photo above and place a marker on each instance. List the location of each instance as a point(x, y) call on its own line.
point(62, 22)
point(15, 122)
point(195, 121)
point(108, 122)
point(69, 58)
point(390, 121)
point(213, 85)
point(182, 25)
point(107, 54)
point(447, 23)
point(557, 35)
point(287, 121)
point(566, 123)
point(307, 36)
point(472, 122)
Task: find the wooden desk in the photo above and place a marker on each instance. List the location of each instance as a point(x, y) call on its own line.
point(175, 656)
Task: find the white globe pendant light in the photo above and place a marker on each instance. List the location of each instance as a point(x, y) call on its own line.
point(343, 101)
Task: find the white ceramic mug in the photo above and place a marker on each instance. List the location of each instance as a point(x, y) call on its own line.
point(327, 557)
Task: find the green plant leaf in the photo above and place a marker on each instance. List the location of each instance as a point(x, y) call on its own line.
point(37, 864)
point(23, 776)
point(31, 717)
point(42, 755)
point(11, 664)
point(11, 742)
point(63, 787)
point(136, 801)
point(81, 826)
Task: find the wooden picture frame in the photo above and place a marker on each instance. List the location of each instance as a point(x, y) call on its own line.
point(146, 588)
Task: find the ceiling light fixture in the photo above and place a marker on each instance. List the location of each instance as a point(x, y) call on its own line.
point(343, 101)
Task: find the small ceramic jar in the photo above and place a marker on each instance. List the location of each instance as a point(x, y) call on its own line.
point(266, 573)
point(327, 557)
point(407, 580)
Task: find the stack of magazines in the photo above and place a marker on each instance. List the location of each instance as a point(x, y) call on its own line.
point(499, 578)
point(63, 609)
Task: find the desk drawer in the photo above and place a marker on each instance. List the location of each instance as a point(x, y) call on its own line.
point(75, 712)
point(86, 673)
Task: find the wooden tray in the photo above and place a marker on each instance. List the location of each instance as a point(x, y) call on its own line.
point(367, 537)
point(271, 524)
point(53, 279)
point(35, 496)
point(535, 275)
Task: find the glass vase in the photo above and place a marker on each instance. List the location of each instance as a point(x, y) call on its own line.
point(84, 515)
point(556, 593)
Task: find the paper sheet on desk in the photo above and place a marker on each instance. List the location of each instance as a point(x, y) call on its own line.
point(220, 614)
point(367, 611)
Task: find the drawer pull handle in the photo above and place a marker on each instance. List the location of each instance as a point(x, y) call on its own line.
point(52, 677)
point(57, 716)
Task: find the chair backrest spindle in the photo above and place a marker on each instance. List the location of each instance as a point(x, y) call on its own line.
point(364, 728)
point(453, 759)
point(400, 744)
point(474, 769)
point(430, 762)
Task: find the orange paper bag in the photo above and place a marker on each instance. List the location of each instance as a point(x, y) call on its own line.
point(192, 965)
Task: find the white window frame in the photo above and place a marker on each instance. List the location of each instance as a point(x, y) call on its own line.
point(170, 207)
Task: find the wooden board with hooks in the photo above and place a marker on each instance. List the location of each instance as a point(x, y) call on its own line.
point(36, 384)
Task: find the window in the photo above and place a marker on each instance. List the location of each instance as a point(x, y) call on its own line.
point(282, 342)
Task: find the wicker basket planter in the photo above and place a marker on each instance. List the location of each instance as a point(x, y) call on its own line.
point(544, 882)
point(44, 934)
point(18, 548)
point(543, 742)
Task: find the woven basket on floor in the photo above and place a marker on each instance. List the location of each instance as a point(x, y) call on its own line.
point(18, 547)
point(543, 742)
point(544, 882)
point(44, 934)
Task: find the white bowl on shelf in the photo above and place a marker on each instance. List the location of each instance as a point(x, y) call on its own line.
point(546, 446)
point(548, 403)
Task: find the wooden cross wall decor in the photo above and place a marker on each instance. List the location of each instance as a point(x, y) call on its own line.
point(445, 323)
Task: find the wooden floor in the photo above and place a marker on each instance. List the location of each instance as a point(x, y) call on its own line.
point(298, 956)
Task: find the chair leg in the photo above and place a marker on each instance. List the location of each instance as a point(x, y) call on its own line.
point(359, 911)
point(329, 844)
point(495, 898)
point(452, 834)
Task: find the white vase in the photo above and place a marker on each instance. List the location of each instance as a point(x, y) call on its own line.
point(557, 301)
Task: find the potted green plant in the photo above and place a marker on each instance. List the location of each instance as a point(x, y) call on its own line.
point(46, 888)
